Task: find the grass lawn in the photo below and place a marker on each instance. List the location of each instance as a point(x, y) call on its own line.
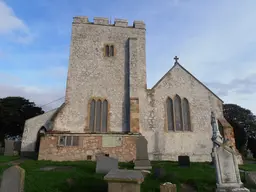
point(6, 159)
point(248, 167)
point(83, 177)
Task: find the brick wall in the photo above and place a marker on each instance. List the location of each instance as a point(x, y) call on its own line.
point(89, 145)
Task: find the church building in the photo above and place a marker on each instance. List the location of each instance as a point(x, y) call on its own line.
point(108, 104)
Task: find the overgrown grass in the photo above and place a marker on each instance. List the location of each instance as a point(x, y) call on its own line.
point(83, 177)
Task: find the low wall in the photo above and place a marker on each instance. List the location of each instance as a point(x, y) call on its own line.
point(119, 146)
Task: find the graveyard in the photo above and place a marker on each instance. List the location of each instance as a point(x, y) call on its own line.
point(50, 176)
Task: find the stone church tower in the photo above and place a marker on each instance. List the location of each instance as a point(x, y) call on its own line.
point(107, 62)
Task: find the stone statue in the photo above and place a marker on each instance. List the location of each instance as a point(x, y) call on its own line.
point(216, 136)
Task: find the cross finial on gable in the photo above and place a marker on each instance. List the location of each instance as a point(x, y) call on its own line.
point(176, 59)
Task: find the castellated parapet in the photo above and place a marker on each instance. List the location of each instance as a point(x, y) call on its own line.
point(106, 21)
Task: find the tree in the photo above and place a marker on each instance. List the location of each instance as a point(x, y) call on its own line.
point(14, 111)
point(244, 123)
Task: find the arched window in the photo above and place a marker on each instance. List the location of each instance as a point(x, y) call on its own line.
point(186, 115)
point(111, 51)
point(170, 122)
point(104, 120)
point(107, 50)
point(98, 115)
point(92, 115)
point(178, 113)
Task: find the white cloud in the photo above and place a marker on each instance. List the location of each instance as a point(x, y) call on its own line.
point(41, 96)
point(12, 26)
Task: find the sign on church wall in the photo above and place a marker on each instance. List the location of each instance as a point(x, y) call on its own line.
point(111, 141)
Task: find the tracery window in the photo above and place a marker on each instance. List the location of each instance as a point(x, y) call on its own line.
point(98, 118)
point(178, 114)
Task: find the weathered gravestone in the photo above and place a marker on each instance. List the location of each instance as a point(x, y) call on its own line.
point(142, 161)
point(105, 164)
point(159, 172)
point(184, 161)
point(249, 154)
point(124, 180)
point(8, 147)
point(13, 180)
point(226, 165)
point(250, 179)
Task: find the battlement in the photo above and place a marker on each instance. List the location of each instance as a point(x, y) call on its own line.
point(106, 21)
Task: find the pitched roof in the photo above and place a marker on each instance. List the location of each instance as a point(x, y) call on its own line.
point(178, 64)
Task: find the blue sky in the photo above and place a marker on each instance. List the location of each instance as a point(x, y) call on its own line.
point(215, 41)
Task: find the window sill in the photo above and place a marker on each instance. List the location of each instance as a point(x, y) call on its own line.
point(179, 131)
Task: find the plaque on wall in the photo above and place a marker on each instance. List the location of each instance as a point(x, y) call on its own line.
point(111, 141)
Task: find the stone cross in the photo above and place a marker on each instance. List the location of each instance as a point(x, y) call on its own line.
point(176, 59)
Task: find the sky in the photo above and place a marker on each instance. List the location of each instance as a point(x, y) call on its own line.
point(215, 41)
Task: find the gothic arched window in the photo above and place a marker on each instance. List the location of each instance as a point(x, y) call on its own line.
point(186, 115)
point(98, 115)
point(178, 113)
point(170, 121)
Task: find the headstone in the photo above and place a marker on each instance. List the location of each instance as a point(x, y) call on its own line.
point(249, 154)
point(168, 187)
point(13, 180)
point(105, 164)
point(225, 161)
point(9, 147)
point(159, 172)
point(124, 180)
point(250, 179)
point(184, 161)
point(142, 162)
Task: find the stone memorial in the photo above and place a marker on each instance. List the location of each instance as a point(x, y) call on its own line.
point(124, 180)
point(8, 147)
point(142, 162)
point(13, 180)
point(184, 161)
point(250, 179)
point(225, 162)
point(159, 172)
point(105, 164)
point(249, 154)
point(168, 187)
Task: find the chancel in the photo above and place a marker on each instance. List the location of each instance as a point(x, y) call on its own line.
point(108, 104)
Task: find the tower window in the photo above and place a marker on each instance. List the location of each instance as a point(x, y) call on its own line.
point(109, 50)
point(98, 119)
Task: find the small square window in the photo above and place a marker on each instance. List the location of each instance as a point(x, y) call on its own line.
point(62, 140)
point(89, 157)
